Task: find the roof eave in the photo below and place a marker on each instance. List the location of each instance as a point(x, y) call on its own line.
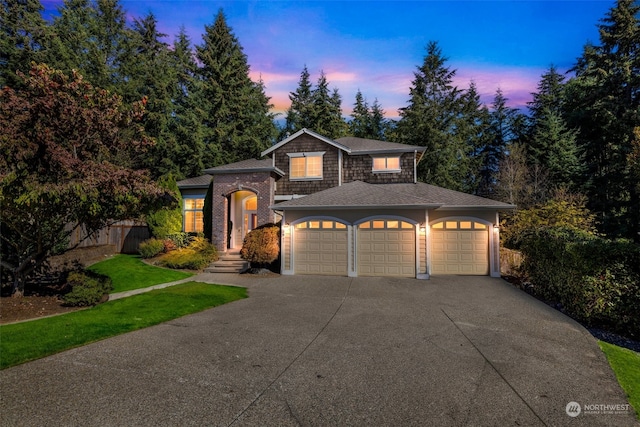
point(193, 186)
point(384, 151)
point(351, 207)
point(242, 170)
point(477, 207)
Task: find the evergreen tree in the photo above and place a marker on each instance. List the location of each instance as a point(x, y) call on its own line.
point(473, 128)
point(153, 79)
point(550, 94)
point(315, 108)
point(186, 121)
point(92, 37)
point(238, 124)
point(603, 101)
point(379, 125)
point(553, 147)
point(359, 126)
point(23, 39)
point(368, 122)
point(430, 120)
point(500, 135)
point(299, 114)
point(551, 144)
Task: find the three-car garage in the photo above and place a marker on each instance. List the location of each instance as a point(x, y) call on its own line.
point(390, 247)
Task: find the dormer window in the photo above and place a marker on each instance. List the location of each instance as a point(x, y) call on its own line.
point(305, 166)
point(386, 164)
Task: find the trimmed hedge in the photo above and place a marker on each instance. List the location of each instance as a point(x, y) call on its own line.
point(87, 288)
point(597, 281)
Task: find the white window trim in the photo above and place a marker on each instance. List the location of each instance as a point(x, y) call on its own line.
point(395, 170)
point(307, 154)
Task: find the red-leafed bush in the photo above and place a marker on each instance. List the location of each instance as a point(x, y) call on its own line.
point(261, 246)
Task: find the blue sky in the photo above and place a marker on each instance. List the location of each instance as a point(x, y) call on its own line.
point(375, 46)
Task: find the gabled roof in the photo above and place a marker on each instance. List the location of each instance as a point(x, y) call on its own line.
point(353, 145)
point(201, 181)
point(358, 195)
point(308, 132)
point(245, 166)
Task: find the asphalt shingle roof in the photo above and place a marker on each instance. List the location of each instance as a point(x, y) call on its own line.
point(251, 165)
point(363, 145)
point(201, 181)
point(358, 194)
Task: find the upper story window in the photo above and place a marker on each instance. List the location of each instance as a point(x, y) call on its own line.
point(304, 166)
point(386, 164)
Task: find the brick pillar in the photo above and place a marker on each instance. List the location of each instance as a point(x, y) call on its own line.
point(220, 221)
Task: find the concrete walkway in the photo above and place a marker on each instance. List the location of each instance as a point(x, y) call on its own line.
point(452, 351)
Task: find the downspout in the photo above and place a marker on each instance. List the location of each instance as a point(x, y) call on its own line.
point(415, 167)
point(339, 168)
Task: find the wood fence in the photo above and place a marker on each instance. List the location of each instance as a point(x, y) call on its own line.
point(125, 236)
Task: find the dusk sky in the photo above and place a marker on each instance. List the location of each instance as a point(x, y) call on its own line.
point(375, 46)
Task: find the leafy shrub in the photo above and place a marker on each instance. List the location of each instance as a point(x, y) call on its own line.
point(597, 281)
point(261, 246)
point(167, 220)
point(196, 256)
point(562, 211)
point(168, 246)
point(87, 288)
point(150, 248)
point(180, 240)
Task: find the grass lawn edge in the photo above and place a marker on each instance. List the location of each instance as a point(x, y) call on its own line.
point(625, 364)
point(28, 341)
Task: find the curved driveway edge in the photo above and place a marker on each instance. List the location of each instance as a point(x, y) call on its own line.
point(450, 351)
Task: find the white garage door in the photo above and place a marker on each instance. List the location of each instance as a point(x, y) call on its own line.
point(320, 247)
point(459, 247)
point(386, 248)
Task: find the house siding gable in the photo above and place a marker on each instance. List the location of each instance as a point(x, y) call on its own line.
point(360, 168)
point(306, 144)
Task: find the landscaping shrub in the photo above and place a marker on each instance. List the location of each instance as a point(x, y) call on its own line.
point(261, 246)
point(196, 256)
point(167, 220)
point(180, 240)
point(563, 211)
point(150, 248)
point(597, 281)
point(87, 288)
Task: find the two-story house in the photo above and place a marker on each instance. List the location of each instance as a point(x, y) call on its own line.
point(353, 207)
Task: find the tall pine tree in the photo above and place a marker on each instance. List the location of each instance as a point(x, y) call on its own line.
point(603, 101)
point(430, 120)
point(93, 38)
point(23, 39)
point(186, 123)
point(238, 124)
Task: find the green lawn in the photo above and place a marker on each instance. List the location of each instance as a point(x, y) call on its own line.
point(129, 272)
point(22, 342)
point(626, 365)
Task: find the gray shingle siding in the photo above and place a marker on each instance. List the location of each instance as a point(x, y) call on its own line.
point(360, 168)
point(305, 144)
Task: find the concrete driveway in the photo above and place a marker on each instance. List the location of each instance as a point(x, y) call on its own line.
point(325, 351)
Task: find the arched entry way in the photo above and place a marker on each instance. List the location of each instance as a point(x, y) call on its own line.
point(243, 216)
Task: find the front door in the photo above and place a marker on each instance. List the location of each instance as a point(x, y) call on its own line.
point(249, 215)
